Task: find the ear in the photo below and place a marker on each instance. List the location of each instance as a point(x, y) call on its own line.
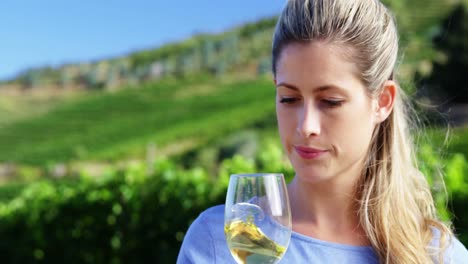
point(385, 101)
point(274, 81)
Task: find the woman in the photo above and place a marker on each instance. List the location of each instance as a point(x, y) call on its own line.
point(357, 196)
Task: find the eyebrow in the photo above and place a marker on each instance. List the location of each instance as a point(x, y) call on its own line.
point(316, 90)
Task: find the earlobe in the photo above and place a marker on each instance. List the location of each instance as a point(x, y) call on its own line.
point(386, 100)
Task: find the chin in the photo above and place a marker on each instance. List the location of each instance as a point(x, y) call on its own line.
point(311, 174)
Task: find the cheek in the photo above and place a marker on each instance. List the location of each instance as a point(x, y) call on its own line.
point(286, 122)
point(353, 129)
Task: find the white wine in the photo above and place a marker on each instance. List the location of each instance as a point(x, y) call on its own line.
point(248, 244)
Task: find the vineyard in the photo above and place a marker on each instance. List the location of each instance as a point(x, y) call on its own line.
point(110, 161)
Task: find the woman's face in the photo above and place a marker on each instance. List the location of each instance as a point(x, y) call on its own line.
point(325, 116)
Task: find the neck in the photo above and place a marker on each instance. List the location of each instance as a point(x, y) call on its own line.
point(327, 211)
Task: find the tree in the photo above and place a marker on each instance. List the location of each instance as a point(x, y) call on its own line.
point(448, 82)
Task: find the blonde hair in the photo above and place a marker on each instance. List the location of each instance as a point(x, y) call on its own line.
point(396, 208)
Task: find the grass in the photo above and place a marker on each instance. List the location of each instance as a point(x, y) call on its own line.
point(449, 141)
point(109, 126)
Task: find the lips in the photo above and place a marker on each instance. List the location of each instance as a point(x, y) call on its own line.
point(309, 153)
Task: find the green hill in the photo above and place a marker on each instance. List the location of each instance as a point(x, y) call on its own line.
point(110, 126)
point(178, 96)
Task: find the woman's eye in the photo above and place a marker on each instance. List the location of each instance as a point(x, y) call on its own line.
point(288, 100)
point(333, 103)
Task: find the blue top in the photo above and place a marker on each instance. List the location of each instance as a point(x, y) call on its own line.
point(205, 243)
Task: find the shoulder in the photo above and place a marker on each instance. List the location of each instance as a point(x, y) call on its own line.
point(455, 251)
point(214, 213)
point(204, 241)
point(209, 223)
point(208, 220)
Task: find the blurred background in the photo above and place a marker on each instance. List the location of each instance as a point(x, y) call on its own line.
point(120, 121)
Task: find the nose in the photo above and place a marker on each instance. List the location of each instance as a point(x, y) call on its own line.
point(309, 121)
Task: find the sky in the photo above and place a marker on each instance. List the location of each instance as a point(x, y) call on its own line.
point(54, 32)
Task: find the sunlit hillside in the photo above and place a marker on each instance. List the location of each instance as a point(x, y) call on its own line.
point(181, 94)
point(173, 115)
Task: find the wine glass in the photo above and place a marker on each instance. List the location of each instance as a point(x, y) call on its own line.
point(257, 217)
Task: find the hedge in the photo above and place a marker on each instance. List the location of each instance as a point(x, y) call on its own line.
point(139, 214)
